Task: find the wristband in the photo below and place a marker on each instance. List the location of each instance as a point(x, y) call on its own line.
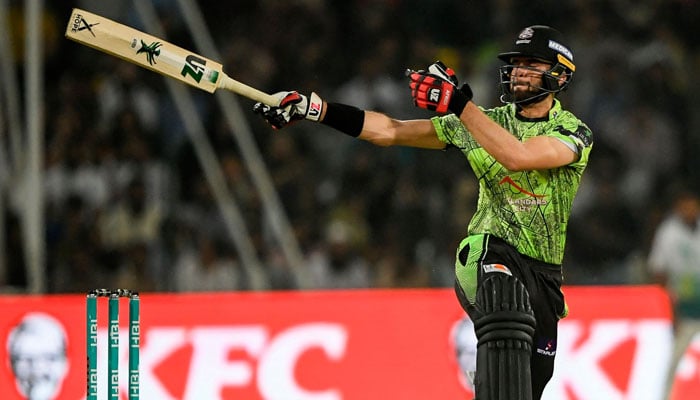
point(460, 98)
point(345, 118)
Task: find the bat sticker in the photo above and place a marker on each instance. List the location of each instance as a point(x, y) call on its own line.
point(152, 51)
point(194, 67)
point(80, 24)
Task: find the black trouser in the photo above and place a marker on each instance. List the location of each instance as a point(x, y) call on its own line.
point(543, 283)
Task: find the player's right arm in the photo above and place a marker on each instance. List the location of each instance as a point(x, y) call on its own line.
point(374, 127)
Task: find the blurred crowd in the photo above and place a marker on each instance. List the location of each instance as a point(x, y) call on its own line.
point(128, 205)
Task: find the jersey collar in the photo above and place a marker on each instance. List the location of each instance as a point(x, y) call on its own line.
point(553, 112)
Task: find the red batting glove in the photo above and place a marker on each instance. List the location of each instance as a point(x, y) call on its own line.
point(436, 89)
point(431, 92)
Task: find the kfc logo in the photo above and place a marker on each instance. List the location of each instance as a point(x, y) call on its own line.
point(686, 382)
point(592, 356)
point(235, 358)
point(37, 355)
point(595, 356)
point(463, 341)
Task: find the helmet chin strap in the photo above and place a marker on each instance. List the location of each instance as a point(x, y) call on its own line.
point(543, 90)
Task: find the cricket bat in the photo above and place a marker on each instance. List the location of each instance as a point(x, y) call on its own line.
point(156, 54)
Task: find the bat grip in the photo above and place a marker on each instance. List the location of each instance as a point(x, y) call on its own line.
point(252, 93)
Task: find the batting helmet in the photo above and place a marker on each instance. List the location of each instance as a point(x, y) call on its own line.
point(546, 44)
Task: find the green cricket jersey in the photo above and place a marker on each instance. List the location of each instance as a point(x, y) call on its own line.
point(528, 209)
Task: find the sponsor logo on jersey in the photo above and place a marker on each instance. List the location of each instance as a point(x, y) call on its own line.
point(508, 180)
point(527, 203)
point(496, 268)
point(547, 347)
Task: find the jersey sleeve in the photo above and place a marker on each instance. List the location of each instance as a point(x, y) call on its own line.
point(576, 135)
point(452, 132)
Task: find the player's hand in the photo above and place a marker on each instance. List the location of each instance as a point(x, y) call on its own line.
point(275, 116)
point(436, 89)
point(292, 106)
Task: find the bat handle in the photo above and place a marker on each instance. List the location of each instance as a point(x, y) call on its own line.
point(228, 83)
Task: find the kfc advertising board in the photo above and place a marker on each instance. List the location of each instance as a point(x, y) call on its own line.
point(686, 379)
point(356, 345)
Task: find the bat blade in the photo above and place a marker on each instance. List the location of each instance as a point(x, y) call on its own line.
point(155, 54)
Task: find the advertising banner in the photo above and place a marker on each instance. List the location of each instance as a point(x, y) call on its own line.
point(686, 379)
point(325, 345)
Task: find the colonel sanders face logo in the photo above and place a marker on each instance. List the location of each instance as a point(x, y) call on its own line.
point(463, 340)
point(37, 351)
